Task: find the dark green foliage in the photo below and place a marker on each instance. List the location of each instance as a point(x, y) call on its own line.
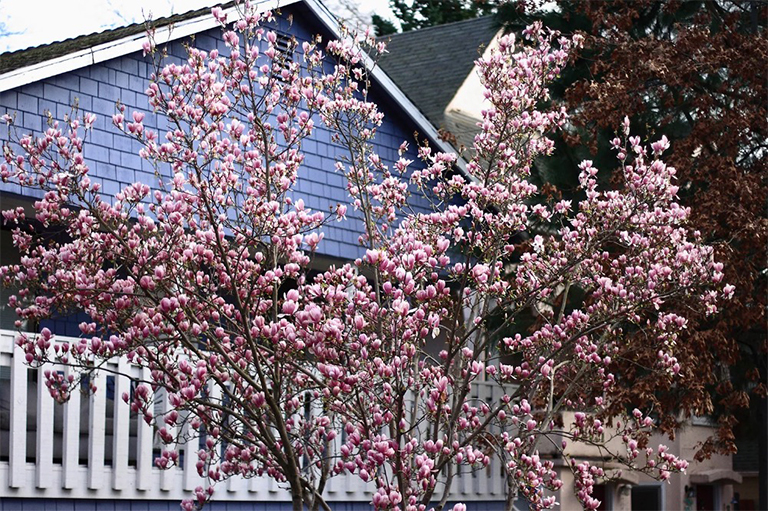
point(415, 14)
point(382, 26)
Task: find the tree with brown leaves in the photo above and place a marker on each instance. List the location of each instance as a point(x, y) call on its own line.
point(696, 73)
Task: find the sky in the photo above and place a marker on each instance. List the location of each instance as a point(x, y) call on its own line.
point(25, 23)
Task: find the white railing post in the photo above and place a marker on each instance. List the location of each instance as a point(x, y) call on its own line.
point(233, 482)
point(44, 434)
point(18, 430)
point(121, 426)
point(214, 395)
point(191, 477)
point(465, 480)
point(71, 436)
point(143, 445)
point(479, 397)
point(494, 486)
point(332, 486)
point(96, 430)
point(167, 475)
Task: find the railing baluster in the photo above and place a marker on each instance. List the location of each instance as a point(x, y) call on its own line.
point(96, 431)
point(143, 446)
point(233, 483)
point(465, 480)
point(18, 432)
point(493, 468)
point(482, 397)
point(121, 427)
point(214, 395)
point(44, 435)
point(332, 486)
point(70, 453)
point(168, 476)
point(191, 477)
point(255, 484)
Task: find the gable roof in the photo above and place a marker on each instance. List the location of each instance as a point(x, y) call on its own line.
point(38, 63)
point(430, 64)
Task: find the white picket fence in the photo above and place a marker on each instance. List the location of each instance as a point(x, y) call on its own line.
point(92, 448)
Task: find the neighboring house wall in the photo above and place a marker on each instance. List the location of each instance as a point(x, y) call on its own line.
point(624, 490)
point(435, 67)
point(464, 111)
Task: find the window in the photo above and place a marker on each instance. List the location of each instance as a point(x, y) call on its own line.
point(646, 497)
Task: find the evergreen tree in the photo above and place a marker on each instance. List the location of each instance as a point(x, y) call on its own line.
point(416, 14)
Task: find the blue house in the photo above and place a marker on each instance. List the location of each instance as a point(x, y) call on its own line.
point(90, 453)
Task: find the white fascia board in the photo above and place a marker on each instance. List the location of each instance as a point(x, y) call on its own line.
point(119, 48)
point(426, 127)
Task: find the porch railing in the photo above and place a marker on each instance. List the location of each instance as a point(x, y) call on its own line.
point(92, 447)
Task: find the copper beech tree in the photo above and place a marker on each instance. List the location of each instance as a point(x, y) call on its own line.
point(694, 71)
point(206, 278)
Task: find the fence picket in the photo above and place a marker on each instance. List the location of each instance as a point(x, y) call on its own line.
point(191, 477)
point(167, 476)
point(143, 446)
point(122, 427)
point(96, 431)
point(44, 434)
point(18, 430)
point(71, 437)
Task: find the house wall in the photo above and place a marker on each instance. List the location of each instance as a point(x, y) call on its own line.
point(113, 157)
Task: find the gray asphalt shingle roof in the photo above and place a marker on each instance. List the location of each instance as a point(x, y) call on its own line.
point(429, 65)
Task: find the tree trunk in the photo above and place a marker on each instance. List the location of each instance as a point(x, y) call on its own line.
point(762, 445)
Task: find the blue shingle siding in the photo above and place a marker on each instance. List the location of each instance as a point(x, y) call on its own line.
point(8, 99)
point(27, 103)
point(88, 87)
point(114, 158)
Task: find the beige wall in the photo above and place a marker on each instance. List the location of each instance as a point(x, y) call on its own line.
point(673, 491)
point(749, 490)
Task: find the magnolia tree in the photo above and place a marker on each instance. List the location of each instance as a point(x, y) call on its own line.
point(206, 278)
